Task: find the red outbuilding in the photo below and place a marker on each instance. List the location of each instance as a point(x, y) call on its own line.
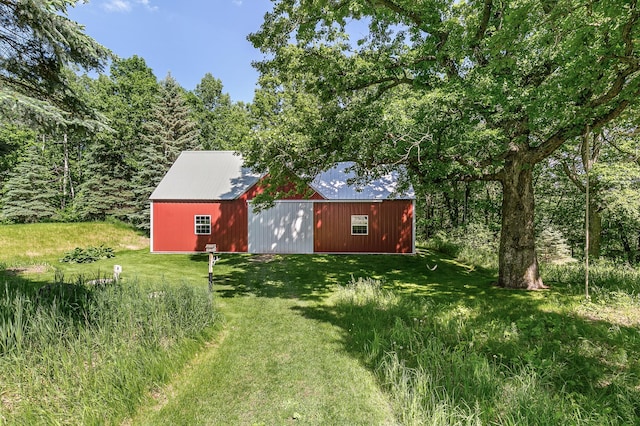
point(205, 198)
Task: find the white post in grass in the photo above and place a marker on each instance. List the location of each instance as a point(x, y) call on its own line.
point(117, 269)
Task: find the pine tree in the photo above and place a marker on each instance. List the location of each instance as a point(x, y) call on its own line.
point(126, 98)
point(172, 127)
point(37, 43)
point(169, 132)
point(107, 189)
point(30, 193)
point(552, 246)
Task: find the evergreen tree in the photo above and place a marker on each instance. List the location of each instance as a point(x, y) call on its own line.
point(171, 126)
point(111, 161)
point(30, 194)
point(37, 43)
point(107, 190)
point(552, 246)
point(169, 132)
point(11, 139)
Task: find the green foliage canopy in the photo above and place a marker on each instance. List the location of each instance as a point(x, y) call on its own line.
point(485, 78)
point(224, 125)
point(468, 90)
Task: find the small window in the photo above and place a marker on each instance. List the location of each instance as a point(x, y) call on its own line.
point(359, 224)
point(203, 224)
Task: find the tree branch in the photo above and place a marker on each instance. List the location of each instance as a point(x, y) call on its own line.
point(389, 4)
point(572, 174)
point(484, 22)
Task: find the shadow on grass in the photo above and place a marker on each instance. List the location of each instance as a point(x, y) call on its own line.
point(580, 364)
point(314, 277)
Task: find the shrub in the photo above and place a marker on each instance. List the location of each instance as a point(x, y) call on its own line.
point(88, 255)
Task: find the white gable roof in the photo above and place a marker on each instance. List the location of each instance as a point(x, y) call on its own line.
point(206, 175)
point(335, 184)
point(221, 175)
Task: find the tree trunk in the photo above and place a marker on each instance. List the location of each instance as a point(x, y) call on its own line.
point(626, 244)
point(465, 208)
point(428, 216)
point(452, 207)
point(518, 263)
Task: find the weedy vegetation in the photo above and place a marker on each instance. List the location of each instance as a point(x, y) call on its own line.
point(76, 353)
point(504, 357)
point(88, 255)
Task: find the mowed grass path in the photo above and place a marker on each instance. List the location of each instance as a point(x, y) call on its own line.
point(272, 363)
point(272, 366)
point(445, 345)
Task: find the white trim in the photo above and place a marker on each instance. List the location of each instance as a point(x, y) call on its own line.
point(199, 252)
point(195, 224)
point(313, 200)
point(413, 227)
point(323, 253)
point(368, 253)
point(361, 220)
point(353, 201)
point(151, 227)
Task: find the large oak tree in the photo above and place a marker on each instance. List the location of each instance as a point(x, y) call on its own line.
point(468, 90)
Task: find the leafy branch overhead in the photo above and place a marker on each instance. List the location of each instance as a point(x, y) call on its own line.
point(528, 75)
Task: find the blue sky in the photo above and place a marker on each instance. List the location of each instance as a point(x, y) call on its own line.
point(188, 38)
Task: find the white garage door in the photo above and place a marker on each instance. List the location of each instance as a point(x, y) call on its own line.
point(287, 227)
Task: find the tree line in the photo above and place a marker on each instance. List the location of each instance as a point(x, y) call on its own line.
point(503, 116)
point(69, 172)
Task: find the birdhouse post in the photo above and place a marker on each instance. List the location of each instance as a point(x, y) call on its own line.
point(212, 249)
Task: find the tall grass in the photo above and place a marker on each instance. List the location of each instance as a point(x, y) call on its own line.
point(469, 363)
point(606, 278)
point(76, 354)
point(474, 244)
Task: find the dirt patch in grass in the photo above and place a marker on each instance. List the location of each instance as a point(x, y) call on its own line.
point(31, 269)
point(9, 401)
point(262, 258)
point(626, 316)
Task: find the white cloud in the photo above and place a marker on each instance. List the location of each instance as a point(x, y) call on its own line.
point(237, 2)
point(117, 6)
point(147, 4)
point(126, 5)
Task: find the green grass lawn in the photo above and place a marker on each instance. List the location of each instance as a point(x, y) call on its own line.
point(348, 339)
point(40, 242)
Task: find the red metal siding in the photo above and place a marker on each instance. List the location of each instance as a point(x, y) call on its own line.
point(173, 226)
point(390, 227)
point(259, 188)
